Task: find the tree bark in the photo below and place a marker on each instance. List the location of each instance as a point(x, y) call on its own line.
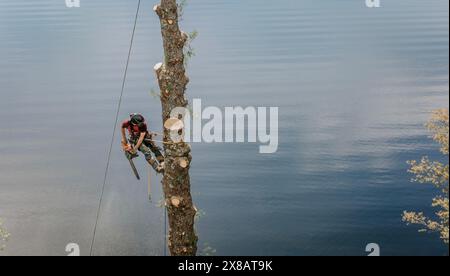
point(172, 80)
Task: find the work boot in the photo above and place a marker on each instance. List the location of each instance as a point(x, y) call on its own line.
point(159, 168)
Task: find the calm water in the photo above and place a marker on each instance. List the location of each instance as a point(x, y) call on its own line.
point(354, 86)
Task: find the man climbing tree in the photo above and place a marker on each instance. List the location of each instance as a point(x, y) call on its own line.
point(141, 140)
point(172, 79)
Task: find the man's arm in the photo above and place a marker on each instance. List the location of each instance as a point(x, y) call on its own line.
point(140, 141)
point(124, 136)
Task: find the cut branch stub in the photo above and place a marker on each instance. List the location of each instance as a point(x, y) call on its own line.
point(185, 37)
point(157, 9)
point(183, 162)
point(158, 67)
point(174, 124)
point(175, 127)
point(175, 201)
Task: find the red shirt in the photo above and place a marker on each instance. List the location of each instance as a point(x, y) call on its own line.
point(135, 130)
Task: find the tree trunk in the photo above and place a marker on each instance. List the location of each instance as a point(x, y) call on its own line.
point(172, 79)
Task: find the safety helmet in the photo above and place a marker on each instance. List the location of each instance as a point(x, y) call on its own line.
point(136, 119)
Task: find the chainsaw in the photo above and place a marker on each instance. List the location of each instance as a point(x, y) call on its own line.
point(130, 155)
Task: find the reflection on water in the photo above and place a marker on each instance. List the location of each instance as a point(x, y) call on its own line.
point(354, 87)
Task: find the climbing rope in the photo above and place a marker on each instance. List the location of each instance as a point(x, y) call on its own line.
point(164, 142)
point(115, 128)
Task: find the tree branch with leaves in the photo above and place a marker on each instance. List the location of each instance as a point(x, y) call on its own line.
point(4, 235)
point(435, 173)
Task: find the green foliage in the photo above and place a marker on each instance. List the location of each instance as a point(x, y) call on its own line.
point(199, 214)
point(189, 51)
point(4, 235)
point(181, 6)
point(207, 250)
point(193, 35)
point(154, 93)
point(161, 203)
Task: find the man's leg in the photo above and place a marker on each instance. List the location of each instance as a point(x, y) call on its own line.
point(156, 151)
point(148, 156)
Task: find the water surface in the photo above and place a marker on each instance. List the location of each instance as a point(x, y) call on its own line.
point(354, 87)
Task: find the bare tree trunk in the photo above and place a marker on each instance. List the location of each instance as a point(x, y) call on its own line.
point(172, 81)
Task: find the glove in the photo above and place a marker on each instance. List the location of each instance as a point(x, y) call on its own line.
point(126, 147)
